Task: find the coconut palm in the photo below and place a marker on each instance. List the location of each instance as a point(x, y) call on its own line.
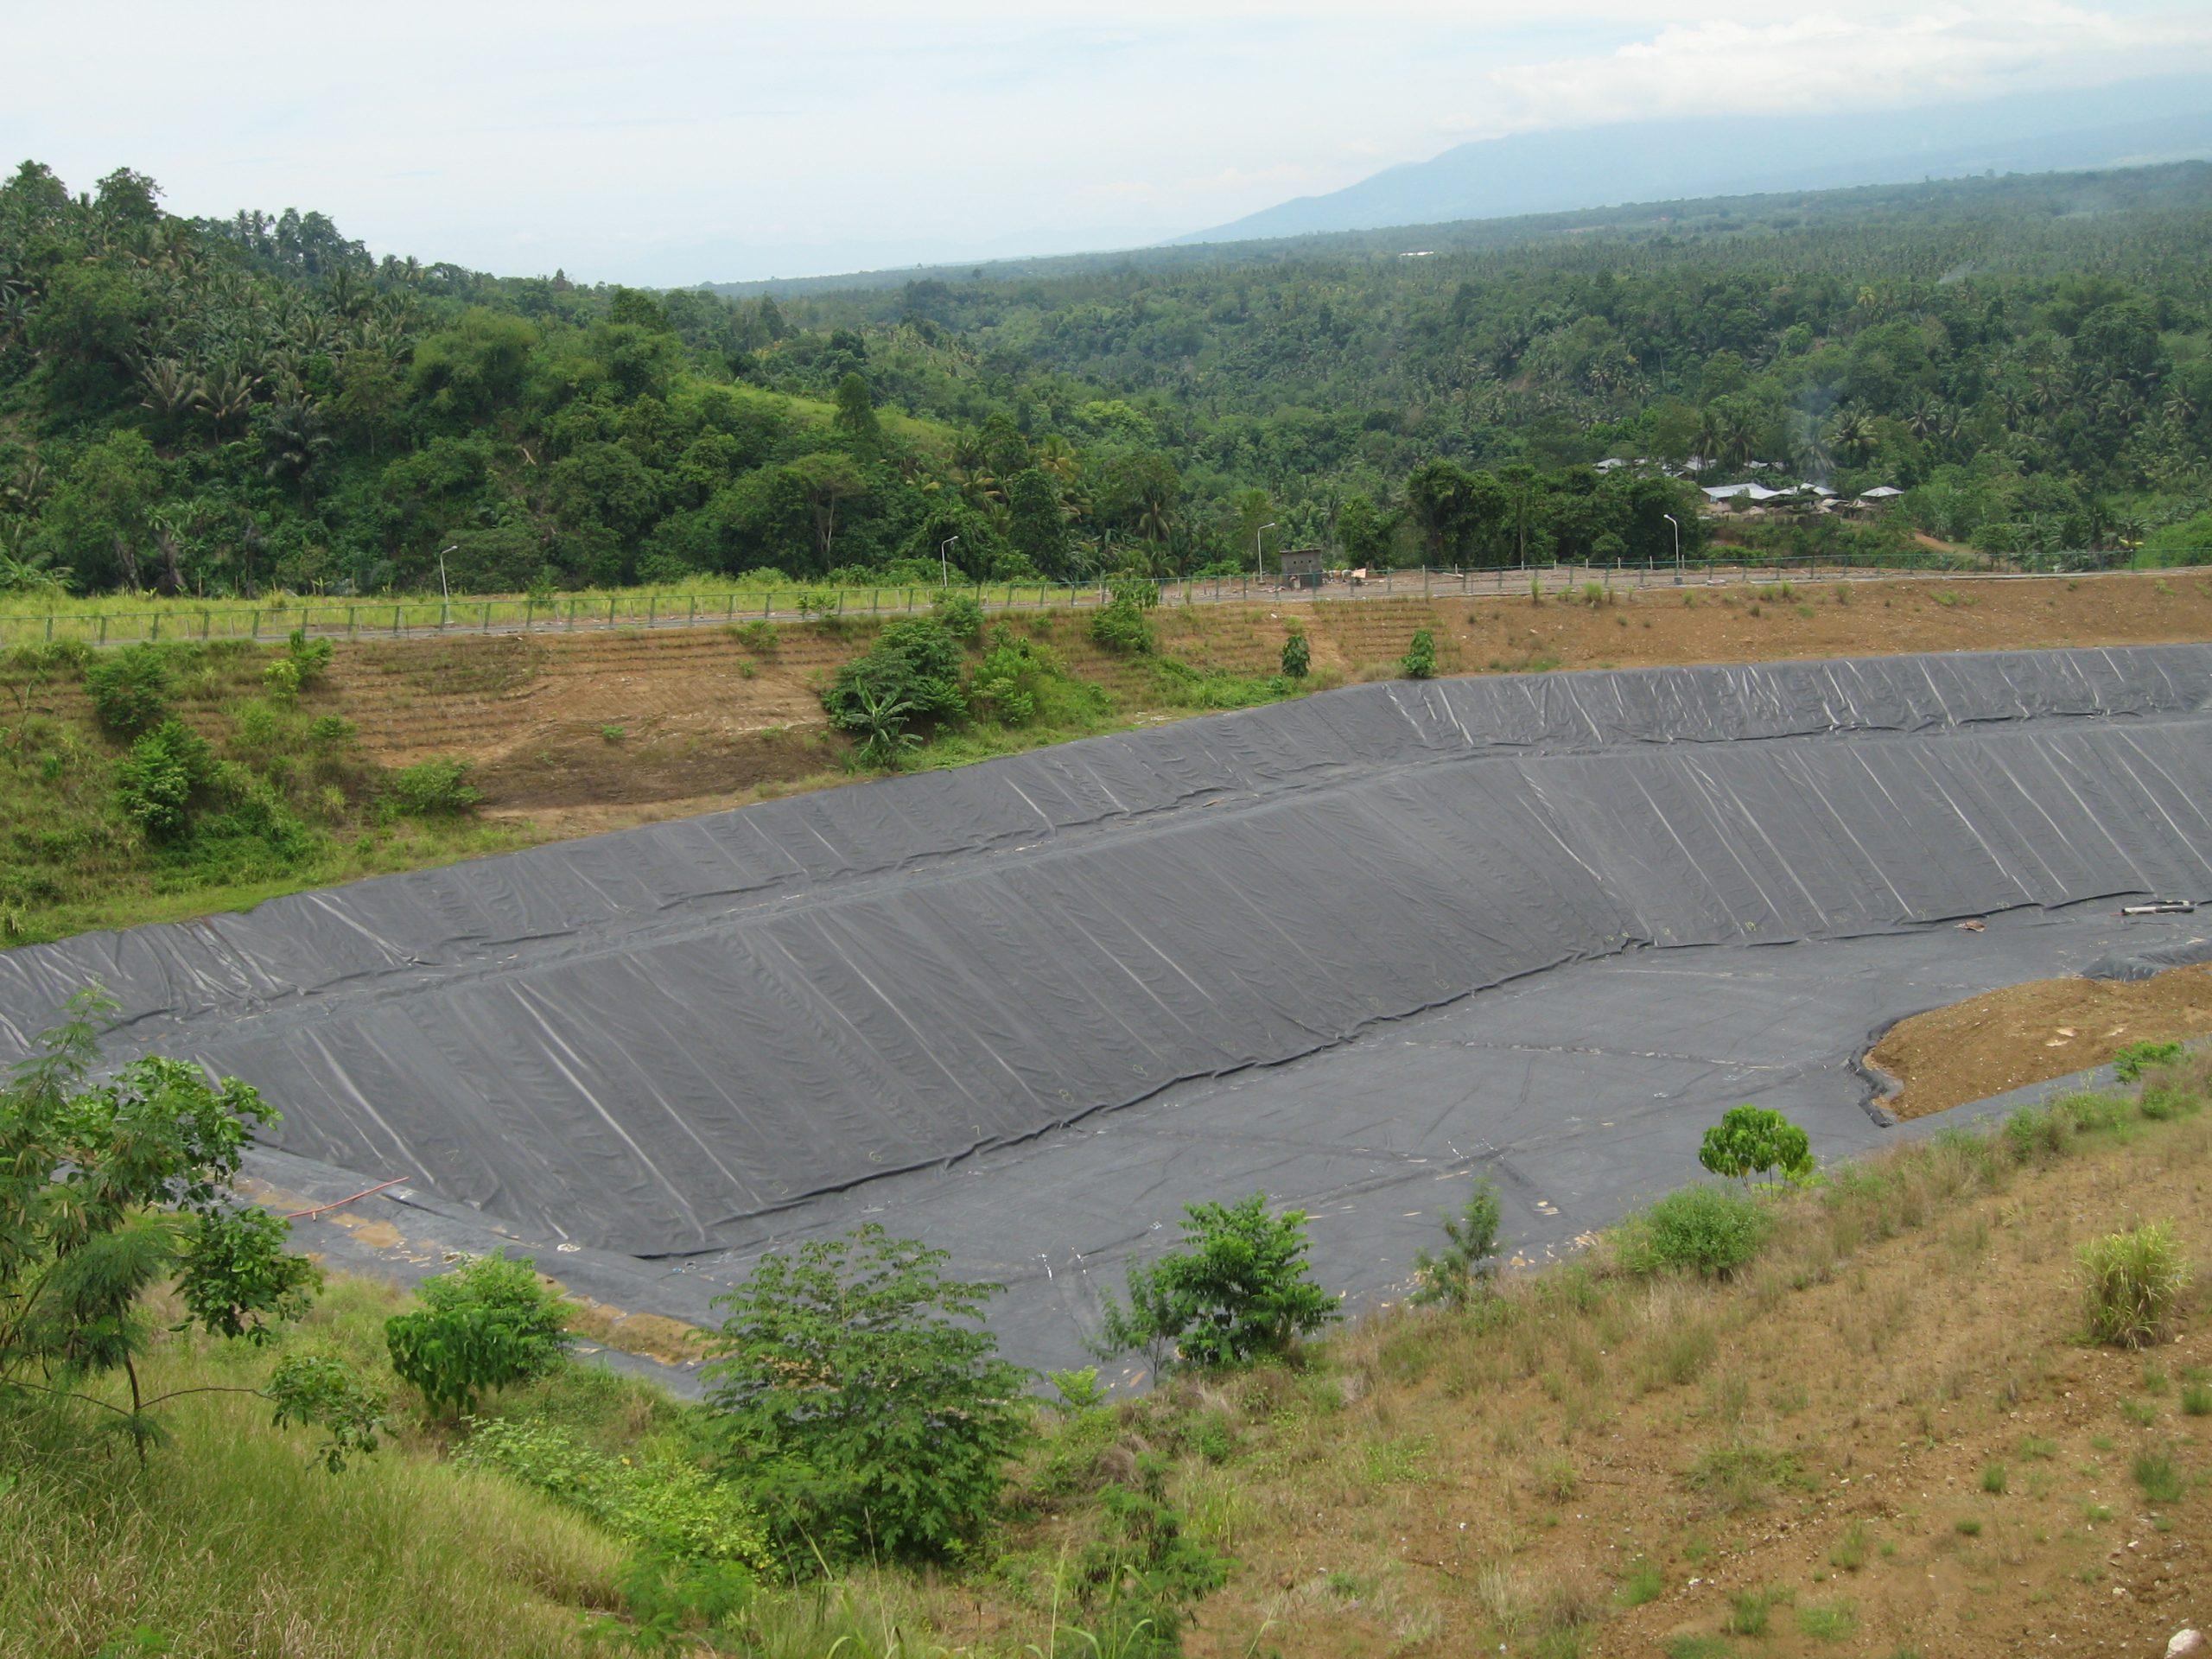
point(293, 440)
point(1852, 435)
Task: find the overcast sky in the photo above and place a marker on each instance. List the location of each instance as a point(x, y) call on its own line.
point(670, 142)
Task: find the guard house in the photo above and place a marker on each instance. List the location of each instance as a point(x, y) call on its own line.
point(1302, 568)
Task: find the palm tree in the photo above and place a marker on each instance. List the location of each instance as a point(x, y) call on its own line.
point(171, 389)
point(227, 396)
point(294, 440)
point(1057, 456)
point(1852, 435)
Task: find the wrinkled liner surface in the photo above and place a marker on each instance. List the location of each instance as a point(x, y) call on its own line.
point(637, 1040)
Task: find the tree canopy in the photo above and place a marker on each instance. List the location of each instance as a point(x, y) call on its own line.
point(225, 406)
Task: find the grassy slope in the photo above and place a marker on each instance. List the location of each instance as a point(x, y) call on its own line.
point(71, 861)
point(1885, 1435)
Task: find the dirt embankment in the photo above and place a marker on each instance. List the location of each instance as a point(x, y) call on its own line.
point(2032, 1032)
point(573, 734)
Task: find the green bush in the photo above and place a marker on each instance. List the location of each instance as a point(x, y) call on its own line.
point(488, 1324)
point(1297, 655)
point(301, 666)
point(2130, 1064)
point(1241, 1289)
point(433, 788)
point(662, 1503)
point(1709, 1230)
point(959, 615)
point(915, 663)
point(131, 689)
point(1005, 682)
point(1123, 626)
point(1136, 1580)
point(2132, 1282)
point(155, 782)
point(1421, 657)
point(868, 1405)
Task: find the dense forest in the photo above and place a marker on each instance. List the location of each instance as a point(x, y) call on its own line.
point(228, 406)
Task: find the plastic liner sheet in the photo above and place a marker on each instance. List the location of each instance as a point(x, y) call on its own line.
point(647, 1041)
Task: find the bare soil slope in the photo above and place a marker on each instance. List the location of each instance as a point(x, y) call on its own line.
point(584, 732)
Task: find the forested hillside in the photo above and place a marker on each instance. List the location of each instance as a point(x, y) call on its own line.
point(231, 406)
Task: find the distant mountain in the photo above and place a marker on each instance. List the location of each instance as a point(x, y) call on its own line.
point(2131, 124)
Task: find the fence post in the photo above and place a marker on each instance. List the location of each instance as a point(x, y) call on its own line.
point(102, 627)
point(155, 634)
point(694, 620)
point(652, 610)
point(1424, 581)
point(487, 618)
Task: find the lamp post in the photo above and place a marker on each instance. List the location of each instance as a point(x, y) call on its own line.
point(945, 562)
point(1259, 568)
point(1669, 517)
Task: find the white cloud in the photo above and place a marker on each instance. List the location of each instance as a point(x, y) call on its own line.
point(1824, 61)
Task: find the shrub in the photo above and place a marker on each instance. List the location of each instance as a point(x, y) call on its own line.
point(865, 1397)
point(1297, 655)
point(434, 788)
point(1122, 626)
point(669, 1507)
point(2132, 1282)
point(959, 615)
point(302, 665)
point(1137, 1578)
point(1005, 683)
point(1463, 1273)
point(155, 782)
point(1752, 1140)
point(131, 689)
point(1420, 656)
point(2130, 1064)
point(1710, 1231)
point(1241, 1289)
point(916, 663)
point(489, 1324)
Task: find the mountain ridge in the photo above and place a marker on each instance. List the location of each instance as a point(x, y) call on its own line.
point(1564, 171)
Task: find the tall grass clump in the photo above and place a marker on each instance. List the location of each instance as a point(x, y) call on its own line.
point(2131, 1283)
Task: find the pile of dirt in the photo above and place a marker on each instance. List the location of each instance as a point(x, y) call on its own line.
point(2030, 1034)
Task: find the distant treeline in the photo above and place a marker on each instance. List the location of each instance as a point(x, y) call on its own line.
point(227, 406)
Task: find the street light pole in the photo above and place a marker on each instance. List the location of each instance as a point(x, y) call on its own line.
point(1669, 517)
point(944, 562)
point(445, 594)
point(1259, 568)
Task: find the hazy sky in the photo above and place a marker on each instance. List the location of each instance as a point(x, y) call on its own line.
point(661, 141)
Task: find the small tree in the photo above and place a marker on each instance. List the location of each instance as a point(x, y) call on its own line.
point(1242, 1289)
point(1749, 1140)
point(1297, 655)
point(488, 1325)
point(109, 1192)
point(1420, 656)
point(1463, 1274)
point(869, 1402)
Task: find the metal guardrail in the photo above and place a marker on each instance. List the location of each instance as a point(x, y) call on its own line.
point(353, 619)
